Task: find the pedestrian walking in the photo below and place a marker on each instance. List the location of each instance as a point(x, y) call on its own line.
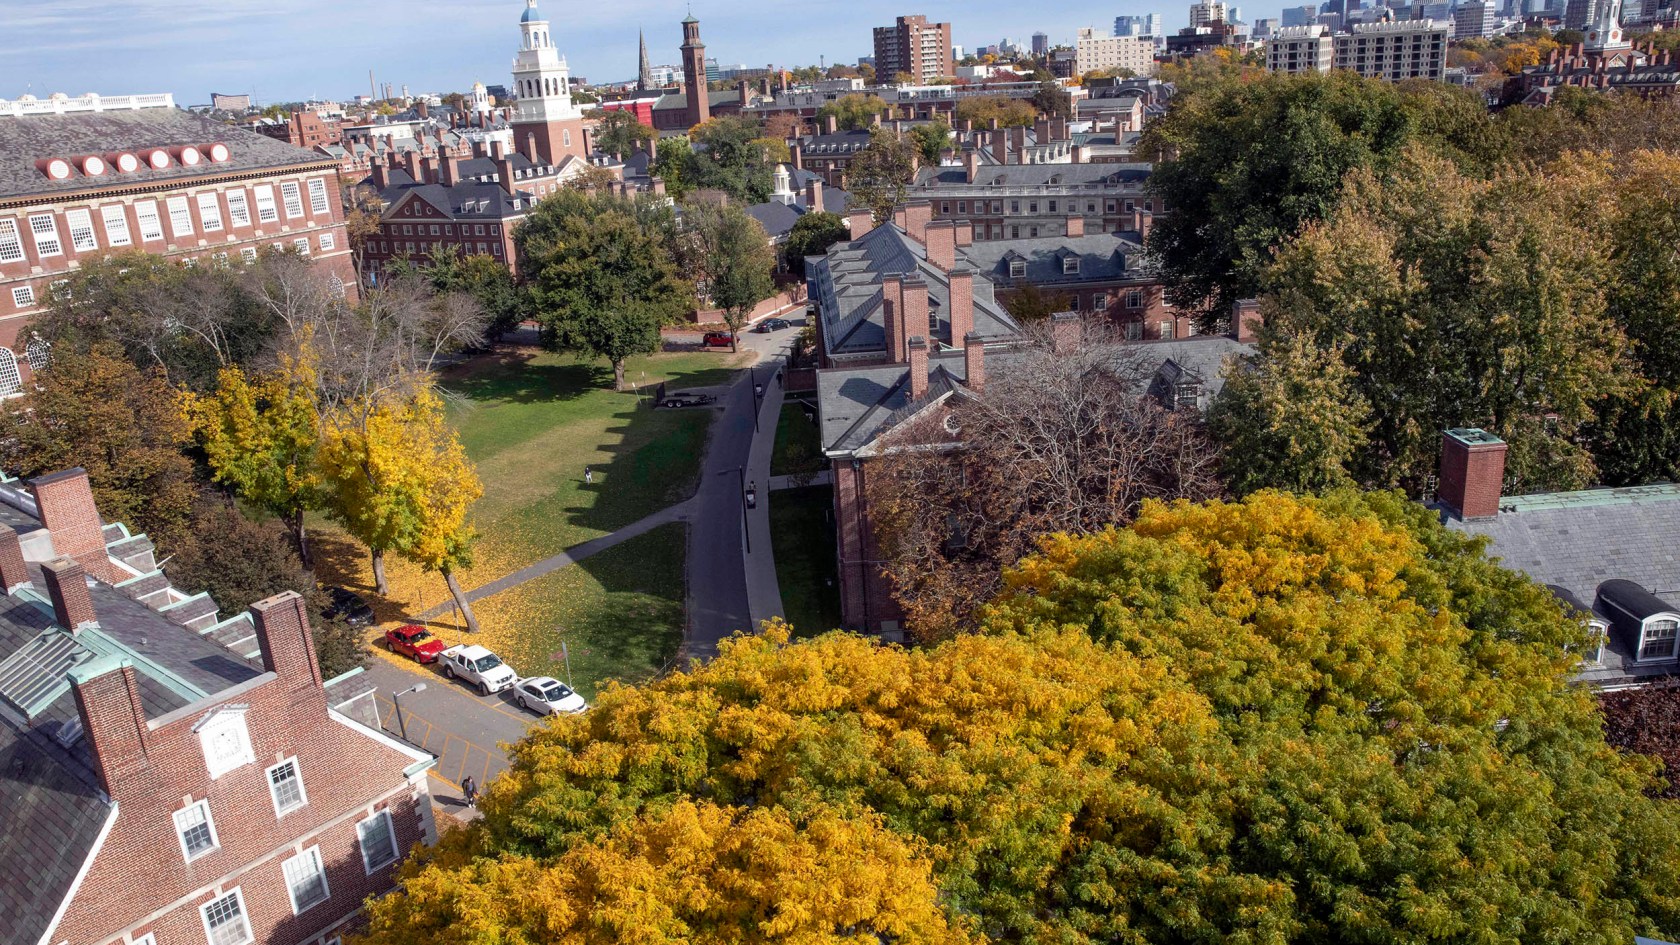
point(778, 380)
point(588, 476)
point(470, 790)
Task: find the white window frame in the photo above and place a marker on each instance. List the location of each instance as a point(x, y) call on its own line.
point(115, 216)
point(238, 897)
point(11, 380)
point(274, 795)
point(180, 216)
point(328, 242)
point(267, 210)
point(151, 224)
point(79, 222)
point(1070, 265)
point(249, 253)
point(210, 212)
point(44, 228)
point(368, 865)
point(209, 824)
point(1017, 268)
point(301, 244)
point(239, 211)
point(292, 196)
point(309, 857)
point(318, 203)
point(23, 295)
point(11, 244)
point(1645, 637)
point(147, 939)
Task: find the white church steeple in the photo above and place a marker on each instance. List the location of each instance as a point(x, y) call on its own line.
point(541, 78)
point(1605, 32)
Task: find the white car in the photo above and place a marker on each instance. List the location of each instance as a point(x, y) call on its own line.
point(546, 695)
point(478, 665)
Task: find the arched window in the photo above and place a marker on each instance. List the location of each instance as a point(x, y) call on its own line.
point(39, 353)
point(11, 382)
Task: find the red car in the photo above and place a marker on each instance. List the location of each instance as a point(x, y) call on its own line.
point(414, 641)
point(719, 339)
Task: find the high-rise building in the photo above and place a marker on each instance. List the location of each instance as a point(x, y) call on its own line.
point(1233, 15)
point(1206, 12)
point(1300, 49)
point(915, 47)
point(1149, 24)
point(1093, 52)
point(1265, 26)
point(1411, 49)
point(1578, 14)
point(1474, 19)
point(1300, 16)
point(544, 85)
point(1040, 44)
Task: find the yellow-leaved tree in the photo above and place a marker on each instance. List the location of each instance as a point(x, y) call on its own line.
point(261, 436)
point(399, 481)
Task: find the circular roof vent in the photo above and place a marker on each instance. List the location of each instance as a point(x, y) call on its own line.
point(126, 163)
point(219, 152)
point(93, 165)
point(58, 169)
point(157, 159)
point(190, 156)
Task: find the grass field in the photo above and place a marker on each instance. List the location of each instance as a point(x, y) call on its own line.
point(798, 447)
point(532, 421)
point(802, 536)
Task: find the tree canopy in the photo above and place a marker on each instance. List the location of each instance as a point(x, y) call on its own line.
point(728, 254)
point(879, 175)
point(812, 235)
point(853, 112)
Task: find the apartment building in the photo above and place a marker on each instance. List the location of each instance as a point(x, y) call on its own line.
point(1300, 49)
point(1094, 51)
point(915, 47)
point(1407, 49)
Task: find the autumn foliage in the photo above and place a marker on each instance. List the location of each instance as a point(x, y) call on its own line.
point(1283, 720)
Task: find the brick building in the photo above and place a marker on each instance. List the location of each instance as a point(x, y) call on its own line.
point(1029, 201)
point(914, 47)
point(543, 83)
point(84, 178)
point(695, 103)
point(172, 777)
point(908, 315)
point(303, 129)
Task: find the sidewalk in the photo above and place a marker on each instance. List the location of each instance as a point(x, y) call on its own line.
point(822, 478)
point(764, 593)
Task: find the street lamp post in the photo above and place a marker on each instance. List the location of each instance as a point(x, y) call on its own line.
point(397, 701)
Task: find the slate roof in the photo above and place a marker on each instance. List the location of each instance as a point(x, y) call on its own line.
point(1580, 540)
point(778, 218)
point(673, 100)
point(25, 140)
point(840, 142)
point(471, 199)
point(1038, 175)
point(1103, 257)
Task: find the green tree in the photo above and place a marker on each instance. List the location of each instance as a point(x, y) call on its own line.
point(620, 132)
point(729, 256)
point(1009, 112)
point(1051, 100)
point(931, 139)
point(671, 164)
point(853, 112)
point(600, 282)
point(730, 156)
point(1289, 419)
point(879, 176)
point(812, 235)
point(96, 410)
point(485, 279)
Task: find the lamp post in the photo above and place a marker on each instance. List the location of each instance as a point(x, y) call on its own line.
point(397, 701)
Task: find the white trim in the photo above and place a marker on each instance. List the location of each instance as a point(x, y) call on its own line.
point(209, 823)
point(313, 854)
point(379, 736)
point(297, 775)
point(368, 866)
point(244, 915)
point(81, 874)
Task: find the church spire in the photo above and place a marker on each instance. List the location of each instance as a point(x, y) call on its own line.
point(644, 78)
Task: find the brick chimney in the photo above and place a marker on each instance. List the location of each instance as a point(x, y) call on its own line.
point(449, 170)
point(1000, 143)
point(421, 109)
point(1076, 225)
point(892, 316)
point(861, 221)
point(1141, 222)
point(1245, 319)
point(917, 215)
point(1472, 472)
point(67, 587)
point(431, 166)
point(974, 362)
point(830, 124)
point(381, 176)
point(415, 166)
point(13, 572)
point(1066, 332)
point(814, 195)
point(113, 721)
point(971, 165)
point(915, 309)
point(1017, 145)
point(798, 150)
point(504, 170)
point(284, 636)
point(961, 308)
point(1041, 130)
point(918, 368)
point(498, 149)
point(65, 503)
point(941, 238)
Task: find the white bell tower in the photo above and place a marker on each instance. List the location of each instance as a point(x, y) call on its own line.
point(1604, 34)
point(541, 78)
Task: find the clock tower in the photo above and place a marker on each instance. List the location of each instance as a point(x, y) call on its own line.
point(1604, 34)
point(541, 80)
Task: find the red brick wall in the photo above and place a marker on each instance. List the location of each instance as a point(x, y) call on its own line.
point(865, 593)
point(1472, 476)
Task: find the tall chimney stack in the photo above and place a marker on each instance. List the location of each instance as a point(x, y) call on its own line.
point(1472, 472)
point(67, 587)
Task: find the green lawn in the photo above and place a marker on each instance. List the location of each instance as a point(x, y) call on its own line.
point(798, 446)
point(802, 536)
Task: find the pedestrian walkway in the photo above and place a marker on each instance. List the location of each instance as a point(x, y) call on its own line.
point(764, 592)
point(665, 516)
point(821, 478)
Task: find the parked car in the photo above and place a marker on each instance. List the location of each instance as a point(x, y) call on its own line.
point(348, 605)
point(772, 324)
point(718, 339)
point(684, 399)
point(478, 665)
point(414, 641)
point(546, 695)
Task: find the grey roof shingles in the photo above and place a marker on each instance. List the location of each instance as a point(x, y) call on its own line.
point(24, 141)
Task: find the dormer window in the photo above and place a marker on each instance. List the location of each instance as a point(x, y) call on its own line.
point(1657, 639)
point(1017, 268)
point(1070, 265)
point(1643, 618)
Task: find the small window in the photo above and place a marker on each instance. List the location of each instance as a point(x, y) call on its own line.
point(962, 206)
point(151, 227)
point(1073, 303)
point(23, 296)
point(301, 244)
point(1134, 299)
point(196, 829)
point(267, 212)
point(285, 786)
point(11, 247)
point(210, 213)
point(45, 231)
point(39, 353)
point(1657, 640)
point(1100, 303)
point(116, 225)
point(1014, 206)
point(1052, 206)
point(249, 253)
point(180, 217)
point(80, 224)
point(318, 197)
point(1166, 330)
point(306, 880)
point(1017, 268)
point(328, 241)
point(224, 920)
point(238, 210)
point(1070, 265)
point(11, 382)
point(379, 841)
point(292, 196)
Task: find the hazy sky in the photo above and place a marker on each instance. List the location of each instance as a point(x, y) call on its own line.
point(285, 50)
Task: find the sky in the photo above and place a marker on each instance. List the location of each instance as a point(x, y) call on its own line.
point(290, 50)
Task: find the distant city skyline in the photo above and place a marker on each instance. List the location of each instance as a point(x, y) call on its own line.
point(291, 50)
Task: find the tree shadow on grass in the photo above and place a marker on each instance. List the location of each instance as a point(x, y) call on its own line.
point(512, 375)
